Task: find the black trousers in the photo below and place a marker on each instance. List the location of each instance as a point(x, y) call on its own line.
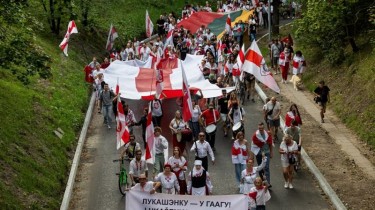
point(210, 138)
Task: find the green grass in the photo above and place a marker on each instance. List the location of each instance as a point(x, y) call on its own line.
point(34, 163)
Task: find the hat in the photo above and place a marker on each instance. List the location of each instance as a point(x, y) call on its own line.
point(197, 162)
point(157, 44)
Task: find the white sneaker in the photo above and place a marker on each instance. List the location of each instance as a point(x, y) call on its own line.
point(109, 127)
point(290, 186)
point(286, 185)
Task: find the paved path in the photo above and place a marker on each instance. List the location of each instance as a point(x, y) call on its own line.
point(96, 182)
point(334, 127)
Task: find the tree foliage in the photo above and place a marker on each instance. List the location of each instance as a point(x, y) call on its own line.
point(329, 25)
point(18, 54)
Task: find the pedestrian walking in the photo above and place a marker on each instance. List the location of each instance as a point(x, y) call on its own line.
point(259, 195)
point(161, 144)
point(179, 166)
point(202, 149)
point(322, 97)
point(288, 150)
point(168, 180)
point(240, 155)
point(106, 98)
point(199, 181)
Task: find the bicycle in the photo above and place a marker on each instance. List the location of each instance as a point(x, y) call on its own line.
point(122, 175)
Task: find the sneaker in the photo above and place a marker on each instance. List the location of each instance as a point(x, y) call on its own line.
point(109, 127)
point(290, 186)
point(225, 134)
point(286, 184)
point(322, 121)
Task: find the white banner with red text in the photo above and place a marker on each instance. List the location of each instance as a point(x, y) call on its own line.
point(136, 200)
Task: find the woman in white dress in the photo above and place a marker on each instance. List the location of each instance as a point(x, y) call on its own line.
point(179, 167)
point(168, 180)
point(288, 150)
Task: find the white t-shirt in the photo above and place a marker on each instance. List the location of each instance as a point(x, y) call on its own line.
point(147, 188)
point(145, 52)
point(276, 109)
point(293, 147)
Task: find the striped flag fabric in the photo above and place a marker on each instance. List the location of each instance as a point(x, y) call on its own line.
point(255, 64)
point(72, 29)
point(122, 130)
point(228, 25)
point(112, 35)
point(187, 106)
point(241, 57)
point(149, 25)
point(150, 138)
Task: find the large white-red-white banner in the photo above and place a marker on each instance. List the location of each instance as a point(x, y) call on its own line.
point(140, 200)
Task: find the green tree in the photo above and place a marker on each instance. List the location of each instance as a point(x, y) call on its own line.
point(330, 25)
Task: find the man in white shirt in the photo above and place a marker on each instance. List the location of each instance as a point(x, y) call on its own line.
point(137, 167)
point(146, 186)
point(145, 52)
point(202, 148)
point(97, 71)
point(161, 144)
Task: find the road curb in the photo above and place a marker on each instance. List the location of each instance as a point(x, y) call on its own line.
point(77, 155)
point(323, 183)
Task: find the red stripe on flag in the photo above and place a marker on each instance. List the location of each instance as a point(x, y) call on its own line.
point(254, 57)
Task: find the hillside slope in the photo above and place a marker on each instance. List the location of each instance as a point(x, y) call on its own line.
point(43, 90)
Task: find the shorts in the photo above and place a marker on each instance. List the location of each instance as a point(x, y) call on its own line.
point(275, 61)
point(223, 117)
point(274, 123)
point(285, 163)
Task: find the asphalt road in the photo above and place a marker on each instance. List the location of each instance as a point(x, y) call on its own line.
point(96, 183)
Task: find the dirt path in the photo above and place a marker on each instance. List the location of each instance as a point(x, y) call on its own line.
point(347, 164)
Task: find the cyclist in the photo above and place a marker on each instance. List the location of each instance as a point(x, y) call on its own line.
point(130, 148)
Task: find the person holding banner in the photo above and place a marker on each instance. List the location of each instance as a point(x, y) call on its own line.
point(199, 182)
point(259, 195)
point(179, 166)
point(146, 186)
point(168, 180)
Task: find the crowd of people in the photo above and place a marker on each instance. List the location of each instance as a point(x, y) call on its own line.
point(219, 66)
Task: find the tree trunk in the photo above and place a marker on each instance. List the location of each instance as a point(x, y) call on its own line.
point(52, 15)
point(276, 17)
point(353, 44)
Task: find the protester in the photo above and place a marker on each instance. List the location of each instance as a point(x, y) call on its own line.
point(223, 109)
point(143, 122)
point(322, 97)
point(179, 166)
point(168, 180)
point(194, 121)
point(250, 85)
point(157, 111)
point(262, 143)
point(129, 118)
point(293, 114)
point(240, 155)
point(299, 64)
point(249, 174)
point(99, 86)
point(130, 148)
point(284, 60)
point(273, 116)
point(161, 144)
point(202, 149)
point(137, 167)
point(295, 132)
point(177, 126)
point(208, 120)
point(236, 116)
point(199, 182)
point(146, 186)
point(265, 115)
point(288, 150)
point(106, 98)
point(259, 195)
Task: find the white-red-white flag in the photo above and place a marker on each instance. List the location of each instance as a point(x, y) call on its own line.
point(228, 25)
point(256, 65)
point(150, 138)
point(241, 57)
point(219, 48)
point(169, 40)
point(187, 106)
point(112, 35)
point(149, 25)
point(122, 130)
point(72, 29)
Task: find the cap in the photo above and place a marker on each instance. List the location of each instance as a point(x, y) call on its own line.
point(198, 163)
